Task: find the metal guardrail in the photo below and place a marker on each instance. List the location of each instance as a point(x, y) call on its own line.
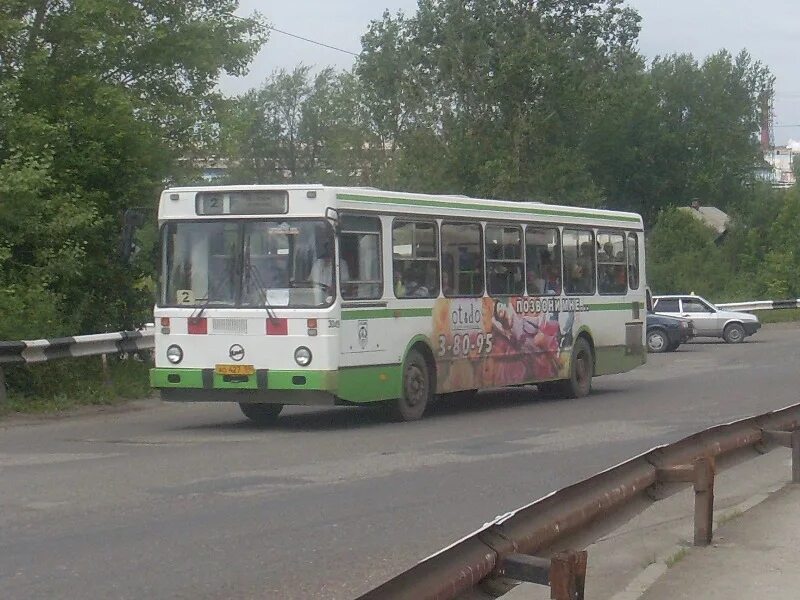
point(510, 544)
point(36, 351)
point(760, 305)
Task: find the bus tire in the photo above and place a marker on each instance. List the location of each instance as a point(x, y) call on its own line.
point(581, 371)
point(261, 414)
point(417, 390)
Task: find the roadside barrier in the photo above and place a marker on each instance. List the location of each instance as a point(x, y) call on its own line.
point(528, 544)
point(760, 305)
point(101, 344)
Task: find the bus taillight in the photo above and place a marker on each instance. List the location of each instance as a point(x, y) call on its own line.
point(311, 324)
point(198, 326)
point(277, 327)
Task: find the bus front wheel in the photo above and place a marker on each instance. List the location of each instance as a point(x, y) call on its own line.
point(581, 371)
point(417, 390)
point(261, 414)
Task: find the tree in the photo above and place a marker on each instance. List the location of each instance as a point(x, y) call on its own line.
point(680, 130)
point(499, 91)
point(297, 128)
point(99, 98)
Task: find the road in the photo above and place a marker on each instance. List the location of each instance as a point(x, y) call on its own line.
point(180, 501)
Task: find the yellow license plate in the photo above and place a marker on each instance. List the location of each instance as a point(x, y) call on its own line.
point(235, 369)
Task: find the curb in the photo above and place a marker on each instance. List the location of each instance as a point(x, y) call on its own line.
point(652, 573)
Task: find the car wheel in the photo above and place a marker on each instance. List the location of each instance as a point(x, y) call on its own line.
point(657, 340)
point(261, 414)
point(734, 333)
point(417, 390)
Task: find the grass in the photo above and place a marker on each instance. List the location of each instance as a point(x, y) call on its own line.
point(676, 558)
point(71, 383)
point(778, 316)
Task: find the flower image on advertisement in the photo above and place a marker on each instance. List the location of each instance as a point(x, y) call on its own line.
point(484, 342)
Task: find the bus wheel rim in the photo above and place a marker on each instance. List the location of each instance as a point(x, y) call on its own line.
point(581, 369)
point(415, 385)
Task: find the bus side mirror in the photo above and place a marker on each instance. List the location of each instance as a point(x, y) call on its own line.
point(649, 300)
point(132, 220)
point(332, 215)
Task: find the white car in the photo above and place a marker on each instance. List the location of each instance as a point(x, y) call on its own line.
point(708, 320)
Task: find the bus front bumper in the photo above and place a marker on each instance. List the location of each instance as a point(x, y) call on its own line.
point(280, 387)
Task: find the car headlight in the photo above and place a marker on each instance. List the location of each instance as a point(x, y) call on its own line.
point(302, 356)
point(174, 354)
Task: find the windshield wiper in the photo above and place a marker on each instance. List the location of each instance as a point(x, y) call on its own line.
point(213, 289)
point(249, 271)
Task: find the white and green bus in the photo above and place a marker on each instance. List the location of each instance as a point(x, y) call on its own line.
point(316, 295)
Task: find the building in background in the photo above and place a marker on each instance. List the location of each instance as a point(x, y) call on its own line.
point(779, 168)
point(709, 216)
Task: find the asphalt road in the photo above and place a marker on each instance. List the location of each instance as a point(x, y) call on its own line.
point(179, 501)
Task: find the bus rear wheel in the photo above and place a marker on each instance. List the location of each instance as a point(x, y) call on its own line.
point(581, 371)
point(417, 390)
point(261, 414)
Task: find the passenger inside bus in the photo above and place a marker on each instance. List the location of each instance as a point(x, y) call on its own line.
point(322, 269)
point(411, 280)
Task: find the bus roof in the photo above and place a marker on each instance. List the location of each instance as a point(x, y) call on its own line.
point(375, 200)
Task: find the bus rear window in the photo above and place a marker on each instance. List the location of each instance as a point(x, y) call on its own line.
point(246, 202)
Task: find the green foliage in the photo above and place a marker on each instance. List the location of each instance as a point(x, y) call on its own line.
point(295, 128)
point(501, 93)
point(62, 385)
point(683, 256)
point(758, 258)
point(97, 100)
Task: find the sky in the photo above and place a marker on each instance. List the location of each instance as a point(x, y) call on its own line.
point(768, 29)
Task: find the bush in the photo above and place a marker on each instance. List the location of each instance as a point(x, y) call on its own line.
point(64, 384)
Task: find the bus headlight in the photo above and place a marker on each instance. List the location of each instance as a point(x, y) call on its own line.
point(174, 354)
point(302, 356)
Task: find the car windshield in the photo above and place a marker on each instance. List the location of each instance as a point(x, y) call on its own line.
point(267, 263)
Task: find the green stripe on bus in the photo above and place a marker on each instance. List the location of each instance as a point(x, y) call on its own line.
point(314, 380)
point(385, 313)
point(618, 359)
point(611, 306)
point(370, 384)
point(388, 313)
point(276, 380)
point(189, 378)
point(521, 209)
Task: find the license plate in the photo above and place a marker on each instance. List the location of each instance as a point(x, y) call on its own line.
point(235, 369)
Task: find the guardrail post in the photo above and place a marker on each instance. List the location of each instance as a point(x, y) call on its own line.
point(787, 439)
point(703, 501)
point(106, 371)
point(564, 572)
point(568, 575)
point(701, 474)
point(3, 393)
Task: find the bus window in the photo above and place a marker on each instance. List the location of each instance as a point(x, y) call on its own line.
point(579, 261)
point(415, 259)
point(633, 261)
point(504, 263)
point(543, 261)
point(612, 277)
point(462, 259)
point(360, 258)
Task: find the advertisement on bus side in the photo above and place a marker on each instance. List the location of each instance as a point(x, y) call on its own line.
point(489, 342)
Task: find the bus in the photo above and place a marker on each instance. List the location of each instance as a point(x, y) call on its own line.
point(274, 295)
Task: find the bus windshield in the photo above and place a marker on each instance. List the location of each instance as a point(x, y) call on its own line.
point(248, 263)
